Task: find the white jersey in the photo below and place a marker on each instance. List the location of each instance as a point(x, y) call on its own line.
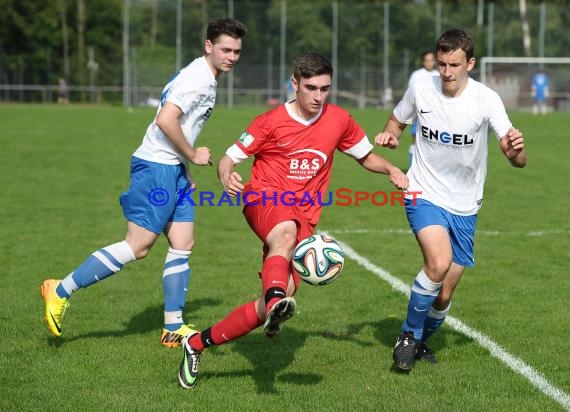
point(193, 90)
point(421, 74)
point(450, 164)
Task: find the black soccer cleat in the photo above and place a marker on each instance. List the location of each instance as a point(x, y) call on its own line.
point(405, 351)
point(278, 314)
point(425, 353)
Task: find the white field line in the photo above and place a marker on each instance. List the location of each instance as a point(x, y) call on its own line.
point(532, 233)
point(516, 364)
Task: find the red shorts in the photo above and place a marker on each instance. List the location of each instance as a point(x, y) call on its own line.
point(263, 218)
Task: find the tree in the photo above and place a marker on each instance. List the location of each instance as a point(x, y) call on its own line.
point(525, 28)
point(81, 60)
point(64, 38)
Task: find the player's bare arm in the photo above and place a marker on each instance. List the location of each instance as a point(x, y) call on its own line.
point(230, 180)
point(167, 121)
point(378, 164)
point(512, 146)
point(390, 136)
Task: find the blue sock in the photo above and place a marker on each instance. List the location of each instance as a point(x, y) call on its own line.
point(433, 321)
point(100, 265)
point(423, 294)
point(175, 281)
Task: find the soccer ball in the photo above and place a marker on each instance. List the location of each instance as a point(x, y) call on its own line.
point(318, 259)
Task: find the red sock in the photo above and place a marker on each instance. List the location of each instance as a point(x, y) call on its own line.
point(238, 323)
point(274, 278)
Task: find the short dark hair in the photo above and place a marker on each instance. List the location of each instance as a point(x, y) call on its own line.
point(425, 53)
point(455, 39)
point(231, 27)
point(311, 64)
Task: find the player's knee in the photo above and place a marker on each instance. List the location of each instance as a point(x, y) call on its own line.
point(289, 240)
point(186, 245)
point(437, 269)
point(283, 243)
point(141, 252)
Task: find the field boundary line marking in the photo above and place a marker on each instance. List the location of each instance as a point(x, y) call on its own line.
point(514, 363)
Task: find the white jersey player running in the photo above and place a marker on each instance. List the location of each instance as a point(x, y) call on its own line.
point(451, 162)
point(159, 180)
point(449, 170)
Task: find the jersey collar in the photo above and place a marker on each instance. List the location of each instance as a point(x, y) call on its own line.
point(299, 119)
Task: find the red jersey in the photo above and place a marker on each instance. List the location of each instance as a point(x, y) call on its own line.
point(295, 156)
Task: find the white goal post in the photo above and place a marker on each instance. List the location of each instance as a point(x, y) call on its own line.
point(510, 77)
point(535, 60)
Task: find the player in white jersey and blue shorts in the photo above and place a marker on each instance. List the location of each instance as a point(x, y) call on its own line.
point(157, 199)
point(453, 115)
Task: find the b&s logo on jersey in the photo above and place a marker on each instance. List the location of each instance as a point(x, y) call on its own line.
point(305, 163)
point(454, 140)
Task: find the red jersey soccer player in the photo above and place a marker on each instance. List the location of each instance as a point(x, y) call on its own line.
point(293, 146)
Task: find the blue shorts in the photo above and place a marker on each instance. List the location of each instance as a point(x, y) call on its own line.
point(158, 194)
point(461, 229)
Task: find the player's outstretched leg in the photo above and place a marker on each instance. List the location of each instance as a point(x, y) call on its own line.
point(405, 351)
point(239, 322)
point(279, 313)
point(188, 372)
point(98, 266)
point(55, 306)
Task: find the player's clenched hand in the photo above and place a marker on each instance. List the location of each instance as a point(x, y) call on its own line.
point(398, 178)
point(232, 183)
point(201, 156)
point(512, 143)
point(386, 139)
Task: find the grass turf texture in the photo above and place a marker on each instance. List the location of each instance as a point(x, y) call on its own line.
point(62, 171)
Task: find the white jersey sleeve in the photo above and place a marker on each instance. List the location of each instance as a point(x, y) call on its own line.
point(405, 111)
point(497, 114)
point(185, 99)
point(193, 90)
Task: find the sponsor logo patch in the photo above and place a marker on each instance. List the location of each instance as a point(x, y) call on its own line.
point(246, 139)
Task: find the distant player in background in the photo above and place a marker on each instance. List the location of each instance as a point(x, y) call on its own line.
point(450, 165)
point(540, 92)
point(159, 176)
point(293, 146)
point(427, 70)
point(62, 91)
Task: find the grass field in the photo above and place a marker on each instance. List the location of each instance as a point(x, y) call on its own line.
point(62, 171)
